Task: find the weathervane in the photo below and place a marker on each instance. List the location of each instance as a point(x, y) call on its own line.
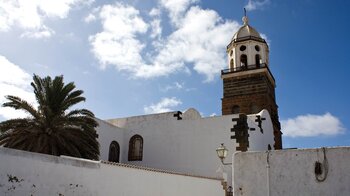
point(245, 18)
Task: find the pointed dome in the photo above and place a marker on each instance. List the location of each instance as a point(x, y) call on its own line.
point(246, 32)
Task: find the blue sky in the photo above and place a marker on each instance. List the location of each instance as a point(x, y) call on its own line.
point(136, 57)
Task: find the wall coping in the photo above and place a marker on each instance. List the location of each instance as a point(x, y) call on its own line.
point(80, 162)
point(158, 170)
point(67, 160)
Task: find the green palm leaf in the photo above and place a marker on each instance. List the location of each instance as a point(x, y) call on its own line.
point(51, 128)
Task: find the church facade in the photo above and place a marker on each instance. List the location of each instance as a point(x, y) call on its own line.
point(185, 141)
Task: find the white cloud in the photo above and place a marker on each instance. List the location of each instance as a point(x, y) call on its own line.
point(264, 36)
point(199, 40)
point(176, 8)
point(174, 86)
point(312, 125)
point(156, 29)
point(13, 81)
point(256, 4)
point(44, 32)
point(92, 16)
point(155, 12)
point(117, 44)
point(165, 105)
point(30, 15)
point(89, 18)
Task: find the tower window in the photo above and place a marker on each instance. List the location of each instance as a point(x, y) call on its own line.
point(135, 148)
point(257, 48)
point(235, 109)
point(231, 63)
point(231, 53)
point(257, 60)
point(244, 60)
point(242, 48)
point(114, 151)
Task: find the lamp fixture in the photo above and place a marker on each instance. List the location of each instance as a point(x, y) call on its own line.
point(222, 153)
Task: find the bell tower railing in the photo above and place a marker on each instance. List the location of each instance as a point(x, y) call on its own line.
point(246, 68)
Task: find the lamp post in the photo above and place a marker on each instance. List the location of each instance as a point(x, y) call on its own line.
point(222, 153)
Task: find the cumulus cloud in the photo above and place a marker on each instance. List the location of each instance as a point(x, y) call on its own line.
point(194, 42)
point(117, 44)
point(165, 105)
point(312, 125)
point(30, 15)
point(176, 8)
point(13, 81)
point(256, 4)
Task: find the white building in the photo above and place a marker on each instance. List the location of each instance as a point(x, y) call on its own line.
point(185, 141)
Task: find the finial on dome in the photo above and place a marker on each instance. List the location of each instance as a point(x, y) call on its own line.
point(245, 18)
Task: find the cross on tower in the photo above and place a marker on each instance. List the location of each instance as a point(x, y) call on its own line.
point(259, 121)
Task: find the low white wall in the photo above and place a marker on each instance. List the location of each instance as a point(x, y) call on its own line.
point(25, 173)
point(291, 172)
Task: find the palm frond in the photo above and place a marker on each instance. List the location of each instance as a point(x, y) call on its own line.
point(20, 104)
point(50, 129)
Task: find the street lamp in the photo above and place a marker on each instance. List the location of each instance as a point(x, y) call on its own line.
point(222, 153)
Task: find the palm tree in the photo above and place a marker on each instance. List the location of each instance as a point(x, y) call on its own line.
point(52, 128)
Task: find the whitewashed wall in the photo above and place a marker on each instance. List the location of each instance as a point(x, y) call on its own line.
point(189, 145)
point(291, 172)
point(108, 133)
point(259, 141)
point(24, 173)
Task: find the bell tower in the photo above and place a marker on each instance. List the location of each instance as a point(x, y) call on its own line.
point(248, 83)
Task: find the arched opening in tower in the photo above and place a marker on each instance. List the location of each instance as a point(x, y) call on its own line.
point(244, 61)
point(257, 60)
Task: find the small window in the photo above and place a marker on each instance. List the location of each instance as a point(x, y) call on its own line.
point(114, 152)
point(242, 48)
point(257, 48)
point(244, 60)
point(231, 53)
point(235, 109)
point(135, 148)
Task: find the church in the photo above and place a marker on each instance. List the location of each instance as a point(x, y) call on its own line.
point(184, 141)
point(182, 153)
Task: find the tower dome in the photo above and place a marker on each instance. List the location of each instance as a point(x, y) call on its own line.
point(246, 32)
